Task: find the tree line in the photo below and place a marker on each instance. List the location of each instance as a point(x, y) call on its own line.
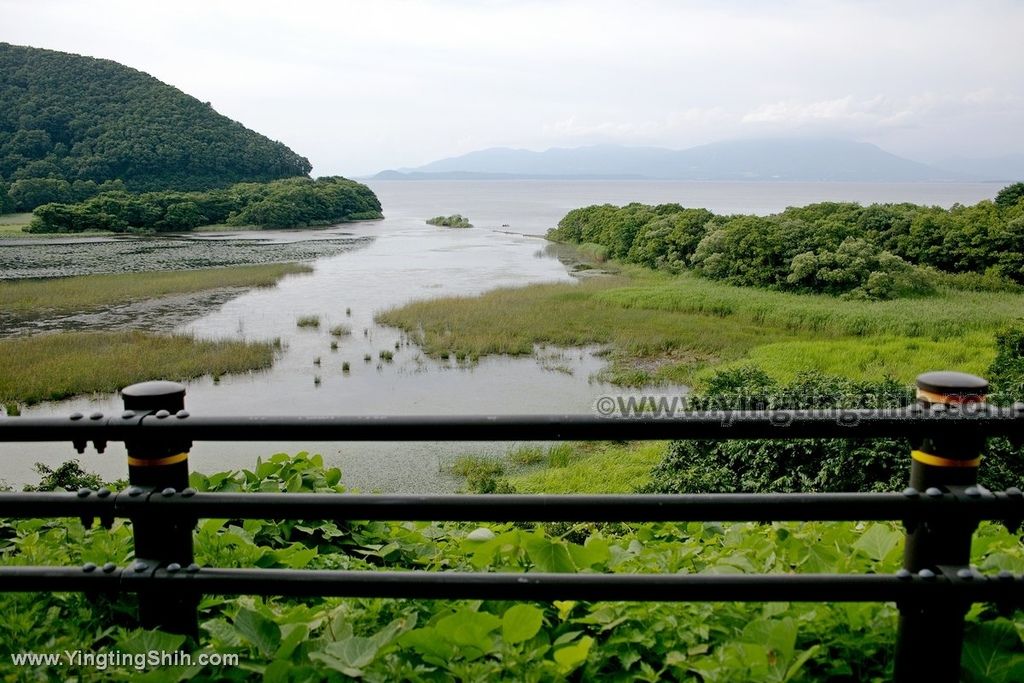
point(880, 251)
point(286, 203)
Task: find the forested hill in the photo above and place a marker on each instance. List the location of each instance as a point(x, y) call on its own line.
point(68, 122)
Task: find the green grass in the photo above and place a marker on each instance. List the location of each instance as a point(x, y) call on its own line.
point(871, 358)
point(663, 328)
point(13, 224)
point(308, 321)
point(55, 366)
point(591, 468)
point(947, 314)
point(572, 467)
point(340, 330)
point(35, 298)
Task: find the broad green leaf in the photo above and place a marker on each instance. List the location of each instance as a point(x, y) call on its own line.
point(798, 664)
point(278, 672)
point(564, 608)
point(991, 653)
point(878, 541)
point(594, 551)
point(570, 657)
point(258, 630)
point(350, 655)
point(428, 643)
point(778, 635)
point(521, 622)
point(141, 642)
point(548, 555)
point(223, 633)
point(467, 628)
point(292, 640)
point(820, 559)
point(332, 476)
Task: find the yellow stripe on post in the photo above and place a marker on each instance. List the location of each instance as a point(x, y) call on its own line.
point(158, 462)
point(939, 461)
point(948, 399)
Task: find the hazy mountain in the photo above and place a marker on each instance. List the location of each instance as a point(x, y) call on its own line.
point(1009, 167)
point(768, 159)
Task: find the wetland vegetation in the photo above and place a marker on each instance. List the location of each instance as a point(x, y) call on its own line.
point(49, 367)
point(45, 367)
point(33, 298)
point(454, 221)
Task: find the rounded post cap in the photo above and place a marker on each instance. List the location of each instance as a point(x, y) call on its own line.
point(157, 395)
point(947, 382)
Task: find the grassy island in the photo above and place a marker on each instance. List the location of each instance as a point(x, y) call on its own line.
point(454, 221)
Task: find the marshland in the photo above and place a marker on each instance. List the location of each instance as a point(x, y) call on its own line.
point(441, 319)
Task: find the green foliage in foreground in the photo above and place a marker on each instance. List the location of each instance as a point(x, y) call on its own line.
point(287, 203)
point(31, 298)
point(454, 221)
point(386, 640)
point(881, 251)
point(49, 367)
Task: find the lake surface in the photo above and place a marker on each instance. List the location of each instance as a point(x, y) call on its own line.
point(362, 268)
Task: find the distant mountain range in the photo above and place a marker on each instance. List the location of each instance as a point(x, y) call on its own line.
point(768, 159)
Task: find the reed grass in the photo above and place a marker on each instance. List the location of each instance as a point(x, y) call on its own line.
point(14, 224)
point(308, 321)
point(56, 366)
point(663, 328)
point(42, 297)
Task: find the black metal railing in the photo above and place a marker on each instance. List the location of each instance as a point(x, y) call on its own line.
point(947, 429)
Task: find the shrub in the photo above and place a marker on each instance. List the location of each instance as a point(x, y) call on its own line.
point(762, 466)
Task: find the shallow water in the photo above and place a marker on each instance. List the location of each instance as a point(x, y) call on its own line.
point(378, 265)
point(84, 256)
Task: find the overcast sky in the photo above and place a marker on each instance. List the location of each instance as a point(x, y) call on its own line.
point(362, 86)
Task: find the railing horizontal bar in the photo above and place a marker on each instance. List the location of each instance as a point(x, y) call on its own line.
point(22, 579)
point(777, 424)
point(54, 504)
point(797, 507)
point(593, 508)
point(526, 586)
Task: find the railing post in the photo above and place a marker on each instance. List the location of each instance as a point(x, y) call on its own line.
point(931, 635)
point(154, 467)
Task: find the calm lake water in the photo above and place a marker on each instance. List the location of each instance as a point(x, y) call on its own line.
point(368, 267)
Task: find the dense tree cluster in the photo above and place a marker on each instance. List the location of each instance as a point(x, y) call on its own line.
point(71, 124)
point(879, 251)
point(456, 220)
point(279, 204)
